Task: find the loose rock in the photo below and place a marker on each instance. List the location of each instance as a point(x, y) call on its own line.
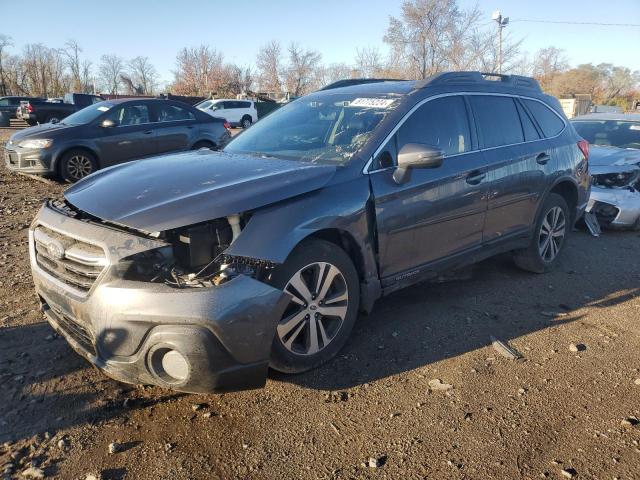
point(376, 462)
point(579, 347)
point(197, 406)
point(115, 447)
point(568, 473)
point(33, 472)
point(437, 384)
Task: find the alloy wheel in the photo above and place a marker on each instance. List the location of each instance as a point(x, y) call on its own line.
point(552, 233)
point(317, 309)
point(79, 166)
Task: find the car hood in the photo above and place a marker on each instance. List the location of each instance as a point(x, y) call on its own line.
point(172, 191)
point(612, 156)
point(46, 130)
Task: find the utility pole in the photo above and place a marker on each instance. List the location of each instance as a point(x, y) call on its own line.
point(502, 22)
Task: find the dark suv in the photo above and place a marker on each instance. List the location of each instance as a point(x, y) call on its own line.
point(198, 271)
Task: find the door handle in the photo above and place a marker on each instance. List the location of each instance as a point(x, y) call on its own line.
point(543, 158)
point(475, 177)
point(148, 132)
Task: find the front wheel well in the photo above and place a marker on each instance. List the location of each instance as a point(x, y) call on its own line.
point(58, 159)
point(569, 192)
point(345, 241)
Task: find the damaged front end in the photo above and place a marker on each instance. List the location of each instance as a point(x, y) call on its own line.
point(168, 308)
point(615, 195)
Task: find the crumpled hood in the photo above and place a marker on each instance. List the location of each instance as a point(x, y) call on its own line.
point(171, 191)
point(612, 156)
point(46, 130)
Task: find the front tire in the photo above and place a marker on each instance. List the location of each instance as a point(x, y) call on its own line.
point(77, 164)
point(325, 296)
point(549, 238)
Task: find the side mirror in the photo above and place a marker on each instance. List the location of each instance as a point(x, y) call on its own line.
point(416, 155)
point(108, 123)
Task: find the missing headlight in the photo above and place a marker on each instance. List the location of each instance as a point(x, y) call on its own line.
point(616, 180)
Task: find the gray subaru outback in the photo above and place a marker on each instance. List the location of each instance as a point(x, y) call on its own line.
point(199, 271)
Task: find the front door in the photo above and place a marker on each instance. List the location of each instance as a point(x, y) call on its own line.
point(131, 137)
point(437, 212)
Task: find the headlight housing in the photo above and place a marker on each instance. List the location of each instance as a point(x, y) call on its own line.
point(36, 143)
point(615, 180)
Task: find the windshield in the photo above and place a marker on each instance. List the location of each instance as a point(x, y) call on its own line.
point(87, 114)
point(327, 128)
point(204, 105)
point(615, 133)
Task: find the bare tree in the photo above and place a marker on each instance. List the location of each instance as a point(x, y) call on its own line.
point(44, 70)
point(5, 42)
point(199, 71)
point(71, 51)
point(110, 69)
point(368, 62)
point(302, 69)
point(236, 80)
point(549, 62)
point(143, 74)
point(269, 63)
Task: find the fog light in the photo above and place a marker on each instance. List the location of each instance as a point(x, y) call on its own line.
point(169, 365)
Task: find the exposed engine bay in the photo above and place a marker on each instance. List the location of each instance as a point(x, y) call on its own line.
point(193, 257)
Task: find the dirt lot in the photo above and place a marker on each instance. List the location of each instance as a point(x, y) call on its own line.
point(553, 410)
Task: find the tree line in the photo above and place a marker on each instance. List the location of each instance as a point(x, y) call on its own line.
point(429, 36)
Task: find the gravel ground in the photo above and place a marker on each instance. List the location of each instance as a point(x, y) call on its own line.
point(376, 411)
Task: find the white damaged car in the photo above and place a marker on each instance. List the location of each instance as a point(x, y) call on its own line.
point(614, 163)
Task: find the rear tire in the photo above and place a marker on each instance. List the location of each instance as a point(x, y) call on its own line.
point(246, 121)
point(325, 297)
point(549, 238)
point(77, 164)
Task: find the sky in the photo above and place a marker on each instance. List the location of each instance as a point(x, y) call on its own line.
point(158, 29)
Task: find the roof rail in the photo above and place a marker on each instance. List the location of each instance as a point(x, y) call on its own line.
point(358, 81)
point(447, 78)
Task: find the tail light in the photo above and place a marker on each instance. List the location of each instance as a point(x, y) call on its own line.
point(583, 145)
point(29, 108)
point(228, 127)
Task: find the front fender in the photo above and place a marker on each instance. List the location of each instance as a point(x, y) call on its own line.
point(274, 231)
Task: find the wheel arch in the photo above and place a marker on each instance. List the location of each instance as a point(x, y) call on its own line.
point(568, 190)
point(56, 160)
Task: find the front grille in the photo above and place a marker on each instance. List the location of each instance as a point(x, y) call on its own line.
point(71, 261)
point(75, 330)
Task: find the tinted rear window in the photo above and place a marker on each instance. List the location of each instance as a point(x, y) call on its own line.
point(530, 132)
point(498, 120)
point(614, 133)
point(549, 122)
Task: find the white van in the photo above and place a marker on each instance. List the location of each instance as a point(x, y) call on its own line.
point(239, 113)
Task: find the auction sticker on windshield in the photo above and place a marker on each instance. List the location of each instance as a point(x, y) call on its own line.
point(372, 102)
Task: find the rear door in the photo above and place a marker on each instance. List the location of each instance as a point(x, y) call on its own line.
point(438, 212)
point(131, 137)
point(174, 127)
point(516, 159)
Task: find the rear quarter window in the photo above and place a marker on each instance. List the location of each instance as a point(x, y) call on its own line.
point(549, 122)
point(498, 120)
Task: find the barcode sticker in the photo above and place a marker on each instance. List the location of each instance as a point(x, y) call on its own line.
point(372, 102)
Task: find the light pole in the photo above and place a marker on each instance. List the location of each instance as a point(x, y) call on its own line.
point(502, 22)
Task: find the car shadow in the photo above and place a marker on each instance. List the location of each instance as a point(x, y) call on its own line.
point(430, 322)
point(47, 387)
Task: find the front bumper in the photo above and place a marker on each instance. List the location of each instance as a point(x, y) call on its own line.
point(615, 207)
point(37, 161)
point(224, 333)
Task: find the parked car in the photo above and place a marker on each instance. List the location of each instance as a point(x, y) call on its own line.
point(9, 105)
point(615, 167)
point(112, 132)
point(239, 113)
point(198, 271)
point(51, 111)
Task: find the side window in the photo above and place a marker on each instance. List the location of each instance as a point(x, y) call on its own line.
point(549, 122)
point(497, 119)
point(218, 105)
point(130, 115)
point(530, 132)
point(441, 123)
point(172, 113)
point(4, 102)
point(245, 104)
